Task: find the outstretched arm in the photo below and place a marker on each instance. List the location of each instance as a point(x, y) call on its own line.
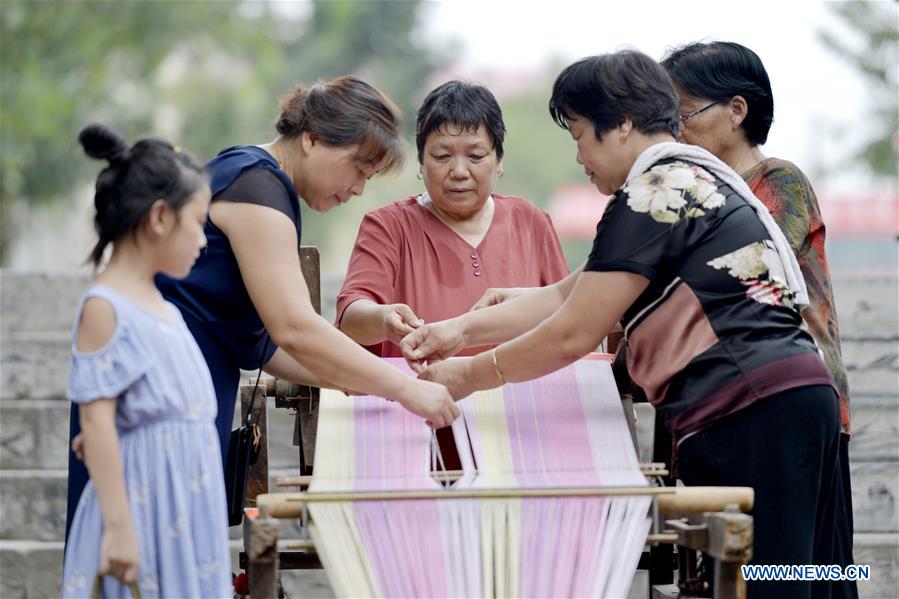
point(492, 296)
point(369, 323)
point(488, 326)
point(284, 367)
point(596, 303)
point(367, 308)
point(264, 242)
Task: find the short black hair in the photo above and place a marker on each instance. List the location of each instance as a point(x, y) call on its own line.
point(721, 70)
point(462, 104)
point(609, 88)
point(135, 178)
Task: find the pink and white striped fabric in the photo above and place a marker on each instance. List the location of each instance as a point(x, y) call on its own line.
point(566, 429)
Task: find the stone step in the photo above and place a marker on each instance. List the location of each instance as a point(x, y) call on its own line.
point(33, 569)
point(34, 365)
point(39, 302)
point(875, 496)
point(872, 363)
point(866, 303)
point(35, 434)
point(46, 302)
point(37, 311)
point(875, 429)
point(881, 552)
point(34, 504)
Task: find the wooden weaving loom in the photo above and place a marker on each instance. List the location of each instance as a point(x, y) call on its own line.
point(495, 509)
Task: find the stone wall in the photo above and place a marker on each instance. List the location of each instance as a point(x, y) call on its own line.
point(35, 322)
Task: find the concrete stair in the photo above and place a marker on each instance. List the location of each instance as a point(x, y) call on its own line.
point(35, 320)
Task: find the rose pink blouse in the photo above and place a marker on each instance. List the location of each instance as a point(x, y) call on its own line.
point(405, 254)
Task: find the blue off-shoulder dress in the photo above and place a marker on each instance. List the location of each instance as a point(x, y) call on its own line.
point(165, 419)
point(213, 300)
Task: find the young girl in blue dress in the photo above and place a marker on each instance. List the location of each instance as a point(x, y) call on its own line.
point(154, 511)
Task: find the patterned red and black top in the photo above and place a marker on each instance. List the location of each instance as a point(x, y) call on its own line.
point(790, 199)
point(717, 329)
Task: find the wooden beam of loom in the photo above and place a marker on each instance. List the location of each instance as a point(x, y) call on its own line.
point(673, 501)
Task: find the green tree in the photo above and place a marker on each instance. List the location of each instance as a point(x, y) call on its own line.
point(373, 39)
point(67, 63)
point(540, 156)
point(206, 74)
point(873, 51)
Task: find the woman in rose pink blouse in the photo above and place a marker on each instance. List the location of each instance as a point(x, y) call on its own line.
point(433, 255)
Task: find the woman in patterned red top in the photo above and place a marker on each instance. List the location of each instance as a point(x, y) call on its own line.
point(727, 108)
point(708, 291)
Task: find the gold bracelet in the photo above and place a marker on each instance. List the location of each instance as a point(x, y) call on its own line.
point(499, 372)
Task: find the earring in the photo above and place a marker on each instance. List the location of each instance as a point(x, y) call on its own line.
point(420, 175)
point(500, 173)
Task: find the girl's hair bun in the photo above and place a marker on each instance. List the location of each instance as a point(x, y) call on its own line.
point(103, 143)
point(134, 180)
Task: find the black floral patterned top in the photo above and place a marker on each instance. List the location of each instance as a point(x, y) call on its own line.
point(717, 329)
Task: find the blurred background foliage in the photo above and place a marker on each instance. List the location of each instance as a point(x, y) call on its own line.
point(204, 74)
point(207, 75)
point(873, 51)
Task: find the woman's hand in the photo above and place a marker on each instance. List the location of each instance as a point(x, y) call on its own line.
point(493, 297)
point(455, 374)
point(398, 320)
point(119, 553)
point(78, 446)
point(432, 343)
point(430, 401)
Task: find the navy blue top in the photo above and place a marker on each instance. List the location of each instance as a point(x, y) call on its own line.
point(213, 294)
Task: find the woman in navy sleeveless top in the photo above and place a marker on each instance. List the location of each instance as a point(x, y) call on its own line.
point(245, 301)
point(213, 298)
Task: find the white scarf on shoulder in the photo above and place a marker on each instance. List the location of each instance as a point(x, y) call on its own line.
point(708, 161)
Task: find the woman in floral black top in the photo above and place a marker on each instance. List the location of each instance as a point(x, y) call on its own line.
point(708, 292)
